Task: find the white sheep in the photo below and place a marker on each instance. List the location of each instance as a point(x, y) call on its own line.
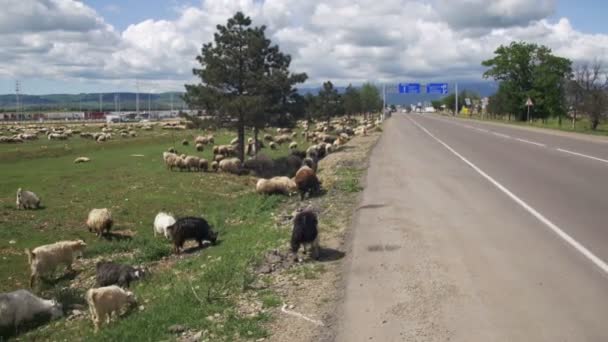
point(105, 301)
point(276, 185)
point(293, 145)
point(81, 160)
point(44, 259)
point(231, 165)
point(22, 306)
point(27, 200)
point(100, 221)
point(161, 222)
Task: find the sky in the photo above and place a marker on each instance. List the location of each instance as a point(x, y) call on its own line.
point(68, 46)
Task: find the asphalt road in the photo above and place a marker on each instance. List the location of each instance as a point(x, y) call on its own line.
point(474, 232)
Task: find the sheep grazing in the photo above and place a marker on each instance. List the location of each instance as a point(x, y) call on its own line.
point(81, 160)
point(234, 141)
point(276, 185)
point(307, 182)
point(215, 166)
point(231, 165)
point(27, 200)
point(192, 162)
point(293, 145)
point(203, 164)
point(200, 147)
point(100, 221)
point(218, 157)
point(190, 228)
point(273, 145)
point(185, 142)
point(172, 150)
point(110, 273)
point(282, 139)
point(310, 162)
point(105, 301)
point(161, 222)
point(305, 232)
point(22, 306)
point(44, 259)
point(268, 137)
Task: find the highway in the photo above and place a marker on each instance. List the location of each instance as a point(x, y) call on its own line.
point(477, 232)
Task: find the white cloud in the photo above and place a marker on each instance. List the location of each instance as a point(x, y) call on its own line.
point(342, 40)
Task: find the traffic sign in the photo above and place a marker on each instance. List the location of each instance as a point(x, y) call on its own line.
point(529, 103)
point(437, 88)
point(409, 88)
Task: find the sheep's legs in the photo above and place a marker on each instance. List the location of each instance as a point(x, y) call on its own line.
point(315, 249)
point(32, 280)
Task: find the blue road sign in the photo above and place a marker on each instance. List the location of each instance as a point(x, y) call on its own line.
point(437, 88)
point(409, 88)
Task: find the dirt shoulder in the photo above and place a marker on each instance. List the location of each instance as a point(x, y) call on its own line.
point(309, 291)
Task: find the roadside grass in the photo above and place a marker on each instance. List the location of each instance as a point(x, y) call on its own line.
point(182, 290)
point(349, 179)
point(583, 125)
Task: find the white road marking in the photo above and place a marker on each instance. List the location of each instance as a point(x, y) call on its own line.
point(502, 135)
point(582, 155)
point(580, 248)
point(531, 142)
point(481, 130)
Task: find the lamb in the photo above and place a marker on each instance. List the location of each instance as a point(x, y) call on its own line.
point(161, 222)
point(185, 142)
point(276, 185)
point(293, 145)
point(81, 160)
point(273, 145)
point(215, 166)
point(200, 147)
point(170, 159)
point(22, 306)
point(111, 273)
point(307, 182)
point(104, 301)
point(44, 259)
point(100, 221)
point(305, 232)
point(231, 165)
point(191, 228)
point(27, 200)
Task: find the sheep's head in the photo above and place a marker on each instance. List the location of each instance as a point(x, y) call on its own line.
point(171, 230)
point(213, 237)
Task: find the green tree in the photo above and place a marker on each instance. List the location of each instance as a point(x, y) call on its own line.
point(243, 77)
point(527, 70)
point(589, 91)
point(371, 101)
point(328, 102)
point(352, 101)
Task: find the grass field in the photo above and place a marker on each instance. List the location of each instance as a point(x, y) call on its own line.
point(582, 125)
point(128, 176)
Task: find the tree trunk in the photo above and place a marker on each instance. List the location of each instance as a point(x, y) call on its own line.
point(241, 137)
point(574, 120)
point(559, 120)
point(255, 140)
point(594, 123)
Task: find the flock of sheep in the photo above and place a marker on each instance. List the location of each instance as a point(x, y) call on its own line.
point(110, 296)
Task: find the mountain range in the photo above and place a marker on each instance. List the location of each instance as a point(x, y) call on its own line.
point(127, 101)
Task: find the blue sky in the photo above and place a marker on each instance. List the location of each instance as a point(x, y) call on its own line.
point(154, 42)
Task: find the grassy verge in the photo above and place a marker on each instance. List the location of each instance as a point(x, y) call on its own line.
point(200, 290)
point(582, 125)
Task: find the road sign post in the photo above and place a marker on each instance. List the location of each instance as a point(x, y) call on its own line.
point(529, 104)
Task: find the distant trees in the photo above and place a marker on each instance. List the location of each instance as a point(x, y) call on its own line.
point(371, 101)
point(588, 92)
point(527, 70)
point(243, 77)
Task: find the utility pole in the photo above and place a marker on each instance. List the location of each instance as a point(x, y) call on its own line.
point(456, 108)
point(17, 91)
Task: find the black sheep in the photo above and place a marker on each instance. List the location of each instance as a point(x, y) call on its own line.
point(110, 273)
point(190, 228)
point(300, 154)
point(305, 232)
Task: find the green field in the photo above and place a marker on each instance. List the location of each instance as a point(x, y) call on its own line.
point(180, 290)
